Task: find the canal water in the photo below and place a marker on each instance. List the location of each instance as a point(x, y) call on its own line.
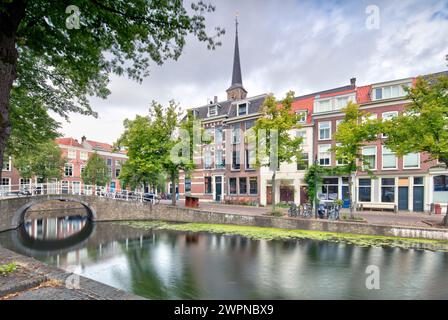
point(161, 264)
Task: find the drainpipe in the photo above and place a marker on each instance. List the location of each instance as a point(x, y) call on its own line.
point(315, 187)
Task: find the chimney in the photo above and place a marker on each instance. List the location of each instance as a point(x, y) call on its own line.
point(353, 82)
point(215, 99)
point(83, 139)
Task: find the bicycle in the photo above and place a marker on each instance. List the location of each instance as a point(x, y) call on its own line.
point(307, 210)
point(293, 210)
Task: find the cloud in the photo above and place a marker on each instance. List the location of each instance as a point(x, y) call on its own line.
point(305, 46)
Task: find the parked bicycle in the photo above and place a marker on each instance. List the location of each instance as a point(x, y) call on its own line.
point(293, 210)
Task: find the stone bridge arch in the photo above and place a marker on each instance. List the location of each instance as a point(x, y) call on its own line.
point(18, 217)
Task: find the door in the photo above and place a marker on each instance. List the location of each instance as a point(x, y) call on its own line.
point(403, 197)
point(76, 187)
point(286, 194)
point(64, 187)
point(345, 197)
point(218, 188)
point(269, 195)
point(418, 199)
point(112, 186)
point(303, 195)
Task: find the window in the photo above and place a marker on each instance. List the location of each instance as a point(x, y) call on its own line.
point(109, 172)
point(250, 124)
point(303, 163)
point(235, 160)
point(324, 154)
point(5, 185)
point(365, 190)
point(219, 161)
point(236, 133)
point(369, 158)
point(208, 135)
point(243, 185)
point(7, 164)
point(338, 122)
point(411, 161)
point(388, 116)
point(82, 168)
point(109, 161)
point(329, 189)
point(389, 92)
point(302, 115)
point(24, 181)
point(208, 185)
point(389, 159)
point(324, 105)
point(212, 111)
point(388, 190)
point(324, 130)
point(340, 162)
point(440, 189)
point(250, 158)
point(242, 109)
point(117, 172)
point(253, 186)
point(218, 135)
point(232, 185)
point(71, 154)
point(301, 134)
point(187, 185)
point(83, 155)
point(341, 102)
point(418, 181)
point(208, 159)
point(68, 170)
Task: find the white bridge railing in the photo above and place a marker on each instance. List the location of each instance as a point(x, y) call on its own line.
point(59, 188)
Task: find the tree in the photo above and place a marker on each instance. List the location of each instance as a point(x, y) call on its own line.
point(153, 147)
point(352, 133)
point(273, 130)
point(44, 162)
point(96, 171)
point(423, 125)
point(58, 53)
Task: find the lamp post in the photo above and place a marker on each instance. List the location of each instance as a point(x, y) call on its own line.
point(315, 186)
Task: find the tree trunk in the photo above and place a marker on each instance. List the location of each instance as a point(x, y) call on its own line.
point(273, 191)
point(173, 189)
point(350, 196)
point(9, 22)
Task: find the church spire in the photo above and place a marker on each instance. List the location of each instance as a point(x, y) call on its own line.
point(236, 90)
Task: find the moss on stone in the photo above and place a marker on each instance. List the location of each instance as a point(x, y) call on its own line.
point(264, 233)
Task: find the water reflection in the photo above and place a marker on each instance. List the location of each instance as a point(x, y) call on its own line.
point(174, 265)
point(55, 228)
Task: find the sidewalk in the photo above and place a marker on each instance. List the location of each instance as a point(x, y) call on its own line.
point(411, 219)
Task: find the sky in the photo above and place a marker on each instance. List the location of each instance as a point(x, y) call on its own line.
point(304, 46)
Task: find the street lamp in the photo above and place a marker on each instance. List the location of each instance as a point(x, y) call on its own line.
point(315, 186)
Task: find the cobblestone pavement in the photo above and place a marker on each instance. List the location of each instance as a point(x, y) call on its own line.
point(412, 219)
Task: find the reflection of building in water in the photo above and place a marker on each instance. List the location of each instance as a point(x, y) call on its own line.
point(54, 228)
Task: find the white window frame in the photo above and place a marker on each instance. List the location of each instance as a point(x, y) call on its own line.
point(71, 153)
point(9, 162)
point(364, 168)
point(330, 107)
point(215, 111)
point(303, 115)
point(327, 152)
point(338, 104)
point(236, 132)
point(82, 157)
point(395, 113)
point(208, 155)
point(329, 128)
point(382, 159)
point(5, 187)
point(73, 167)
point(246, 104)
point(302, 133)
point(337, 160)
point(418, 161)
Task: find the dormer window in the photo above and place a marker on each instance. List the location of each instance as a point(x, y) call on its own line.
point(390, 92)
point(213, 111)
point(302, 115)
point(242, 109)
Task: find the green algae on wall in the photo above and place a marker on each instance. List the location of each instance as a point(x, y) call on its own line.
point(263, 233)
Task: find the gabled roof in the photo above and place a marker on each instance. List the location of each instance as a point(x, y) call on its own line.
point(68, 142)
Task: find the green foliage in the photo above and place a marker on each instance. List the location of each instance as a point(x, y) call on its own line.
point(262, 233)
point(44, 161)
point(274, 131)
point(314, 174)
point(58, 68)
point(423, 126)
point(6, 269)
point(96, 171)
